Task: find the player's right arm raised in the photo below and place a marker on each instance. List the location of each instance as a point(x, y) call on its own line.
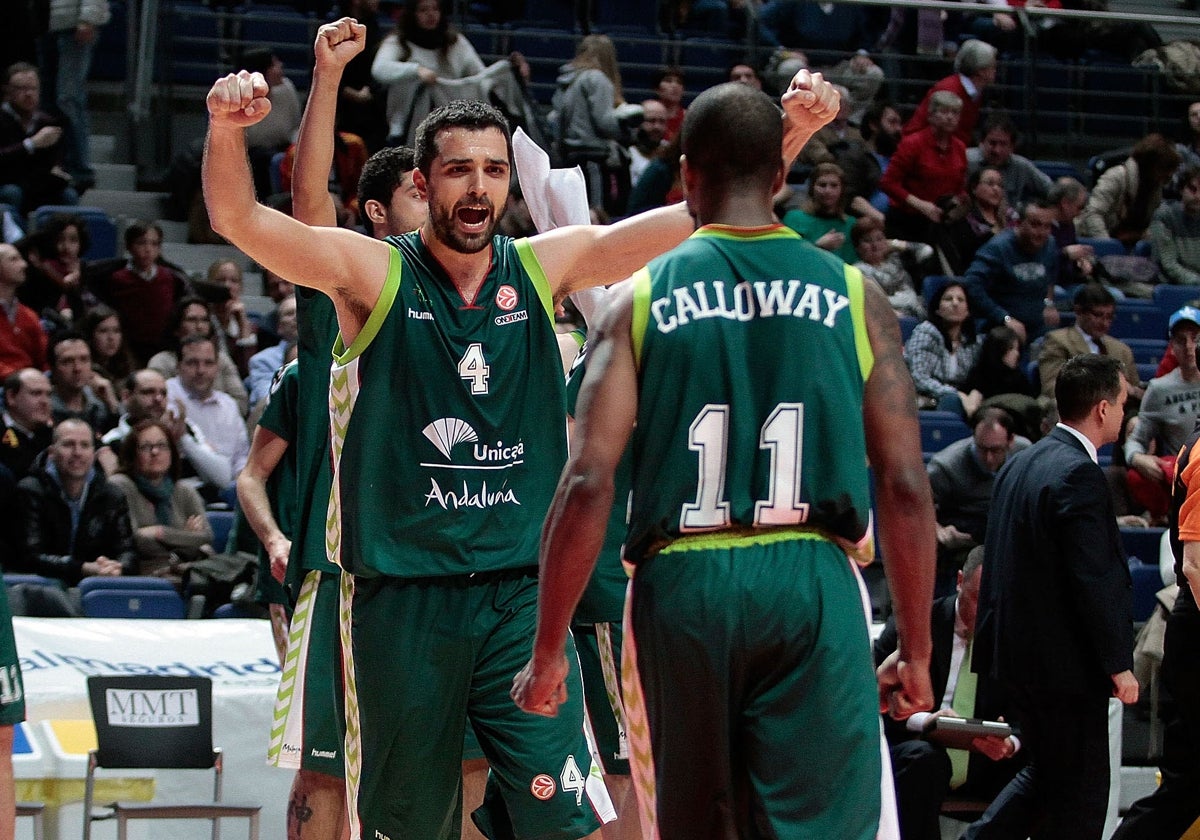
point(345, 265)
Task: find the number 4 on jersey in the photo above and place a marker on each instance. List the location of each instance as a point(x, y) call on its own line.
point(782, 434)
point(573, 779)
point(474, 368)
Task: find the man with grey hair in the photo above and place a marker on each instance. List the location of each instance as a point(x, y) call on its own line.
point(974, 70)
point(1068, 197)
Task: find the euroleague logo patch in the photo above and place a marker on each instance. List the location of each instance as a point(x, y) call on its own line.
point(506, 298)
point(542, 786)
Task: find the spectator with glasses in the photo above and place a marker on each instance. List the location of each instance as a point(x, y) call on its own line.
point(1095, 308)
point(170, 529)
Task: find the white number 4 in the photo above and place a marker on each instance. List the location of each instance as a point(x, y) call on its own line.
point(474, 368)
point(572, 779)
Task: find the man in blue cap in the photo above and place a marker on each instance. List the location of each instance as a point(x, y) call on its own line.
point(1168, 415)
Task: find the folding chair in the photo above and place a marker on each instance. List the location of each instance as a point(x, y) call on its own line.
point(36, 812)
point(156, 722)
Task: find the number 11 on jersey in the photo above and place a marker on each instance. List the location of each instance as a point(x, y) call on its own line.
point(782, 435)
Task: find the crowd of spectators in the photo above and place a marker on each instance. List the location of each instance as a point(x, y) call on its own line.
point(128, 386)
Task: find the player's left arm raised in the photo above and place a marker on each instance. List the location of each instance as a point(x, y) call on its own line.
point(340, 263)
point(573, 533)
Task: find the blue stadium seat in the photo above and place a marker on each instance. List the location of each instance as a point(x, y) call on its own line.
point(939, 429)
point(706, 61)
point(194, 32)
point(92, 584)
point(907, 324)
point(221, 522)
point(1147, 580)
point(102, 230)
point(1116, 99)
point(1147, 350)
point(108, 57)
point(1142, 543)
point(287, 33)
point(133, 603)
point(1054, 169)
point(32, 580)
point(1170, 297)
point(1139, 319)
point(1104, 247)
point(1033, 373)
point(1147, 371)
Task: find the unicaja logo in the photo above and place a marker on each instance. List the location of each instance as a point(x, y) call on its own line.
point(448, 432)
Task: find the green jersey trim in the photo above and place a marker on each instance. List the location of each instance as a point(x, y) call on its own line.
point(641, 312)
point(858, 314)
point(774, 231)
point(391, 286)
point(739, 539)
point(537, 274)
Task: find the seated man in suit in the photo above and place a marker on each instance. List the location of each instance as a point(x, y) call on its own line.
point(926, 772)
point(1094, 310)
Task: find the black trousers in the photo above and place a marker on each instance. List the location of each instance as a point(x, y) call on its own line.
point(1170, 810)
point(1062, 793)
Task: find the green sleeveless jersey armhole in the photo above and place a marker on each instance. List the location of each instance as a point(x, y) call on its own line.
point(862, 341)
point(641, 312)
point(341, 354)
point(533, 268)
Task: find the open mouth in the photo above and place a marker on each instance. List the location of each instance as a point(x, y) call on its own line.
point(472, 216)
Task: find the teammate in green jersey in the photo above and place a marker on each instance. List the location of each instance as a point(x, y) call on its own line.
point(463, 173)
point(755, 375)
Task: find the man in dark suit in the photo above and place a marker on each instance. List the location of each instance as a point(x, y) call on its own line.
point(1055, 622)
point(924, 771)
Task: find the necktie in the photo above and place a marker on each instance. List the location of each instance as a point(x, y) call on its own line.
point(963, 705)
point(1100, 348)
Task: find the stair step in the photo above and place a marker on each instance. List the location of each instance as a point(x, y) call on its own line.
point(195, 259)
point(173, 231)
point(103, 148)
point(128, 205)
point(116, 176)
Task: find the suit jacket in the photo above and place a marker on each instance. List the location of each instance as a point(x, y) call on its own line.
point(1064, 344)
point(1055, 608)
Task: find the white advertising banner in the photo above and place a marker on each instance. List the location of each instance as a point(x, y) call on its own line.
point(58, 655)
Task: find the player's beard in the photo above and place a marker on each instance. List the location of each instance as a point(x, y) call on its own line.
point(446, 230)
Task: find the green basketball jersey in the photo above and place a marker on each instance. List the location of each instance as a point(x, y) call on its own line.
point(318, 329)
point(448, 420)
point(604, 598)
point(752, 353)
